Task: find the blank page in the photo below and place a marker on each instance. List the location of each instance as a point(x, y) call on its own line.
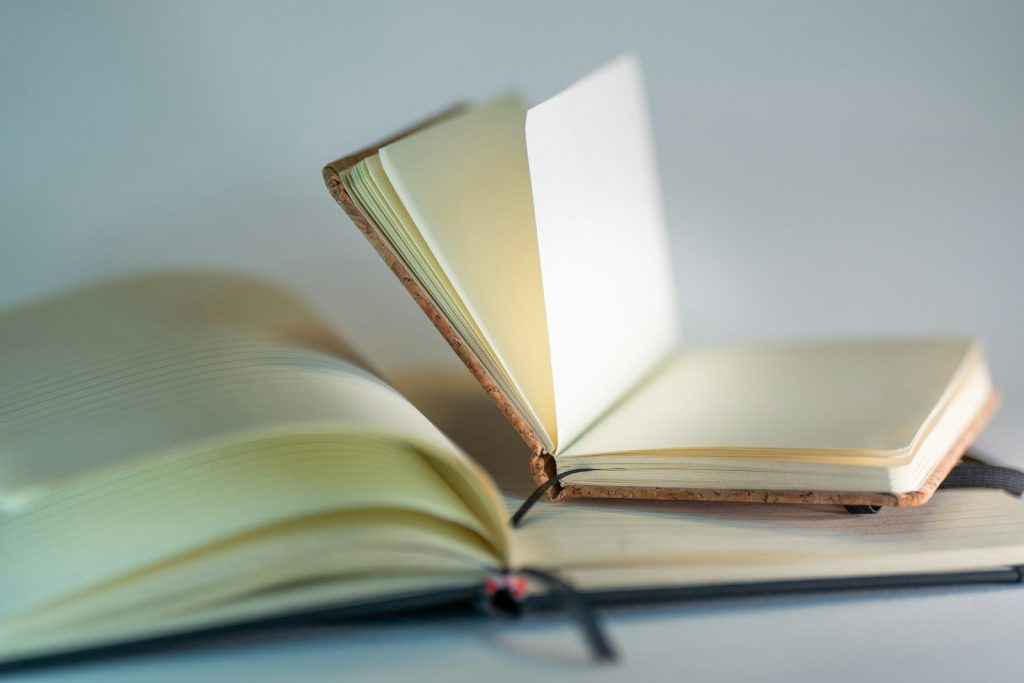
point(866, 397)
point(465, 184)
point(604, 258)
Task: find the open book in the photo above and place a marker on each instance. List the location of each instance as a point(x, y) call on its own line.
point(534, 240)
point(185, 454)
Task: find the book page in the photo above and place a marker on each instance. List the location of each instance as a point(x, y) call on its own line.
point(145, 527)
point(636, 544)
point(153, 366)
point(864, 398)
point(148, 365)
point(609, 293)
point(369, 186)
point(172, 442)
point(465, 184)
point(143, 365)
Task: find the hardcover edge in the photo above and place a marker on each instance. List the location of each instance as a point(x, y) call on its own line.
point(469, 600)
point(542, 464)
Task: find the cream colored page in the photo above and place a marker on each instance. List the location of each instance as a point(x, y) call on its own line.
point(100, 376)
point(163, 510)
point(319, 548)
point(608, 286)
point(297, 597)
point(181, 433)
point(867, 396)
point(466, 186)
point(369, 184)
point(654, 543)
point(149, 365)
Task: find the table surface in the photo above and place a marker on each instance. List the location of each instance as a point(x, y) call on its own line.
point(829, 170)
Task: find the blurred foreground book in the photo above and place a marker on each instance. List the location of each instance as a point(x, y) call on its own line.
point(189, 454)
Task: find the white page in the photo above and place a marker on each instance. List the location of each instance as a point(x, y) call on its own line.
point(608, 288)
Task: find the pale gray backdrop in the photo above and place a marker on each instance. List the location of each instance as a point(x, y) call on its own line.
point(829, 169)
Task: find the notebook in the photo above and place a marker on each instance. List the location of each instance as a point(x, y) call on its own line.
point(534, 240)
point(187, 454)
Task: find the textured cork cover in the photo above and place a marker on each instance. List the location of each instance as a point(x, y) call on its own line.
point(542, 465)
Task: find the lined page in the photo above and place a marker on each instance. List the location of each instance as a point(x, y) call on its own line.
point(230, 530)
point(159, 511)
point(154, 426)
point(174, 362)
point(650, 543)
point(100, 376)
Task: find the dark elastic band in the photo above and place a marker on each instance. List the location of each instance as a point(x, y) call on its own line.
point(540, 491)
point(974, 472)
point(580, 610)
point(863, 509)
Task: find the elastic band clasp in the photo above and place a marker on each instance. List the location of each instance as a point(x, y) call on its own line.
point(540, 491)
point(506, 594)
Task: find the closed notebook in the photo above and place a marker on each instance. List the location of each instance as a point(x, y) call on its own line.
point(195, 453)
point(534, 240)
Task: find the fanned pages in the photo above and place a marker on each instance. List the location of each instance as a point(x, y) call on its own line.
point(484, 244)
point(173, 443)
point(562, 289)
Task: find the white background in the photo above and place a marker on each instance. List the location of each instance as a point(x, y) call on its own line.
point(829, 169)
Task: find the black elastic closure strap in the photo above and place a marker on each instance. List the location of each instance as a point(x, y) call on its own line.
point(580, 610)
point(863, 509)
point(540, 491)
point(974, 472)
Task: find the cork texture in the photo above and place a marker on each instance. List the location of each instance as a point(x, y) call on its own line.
point(542, 465)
